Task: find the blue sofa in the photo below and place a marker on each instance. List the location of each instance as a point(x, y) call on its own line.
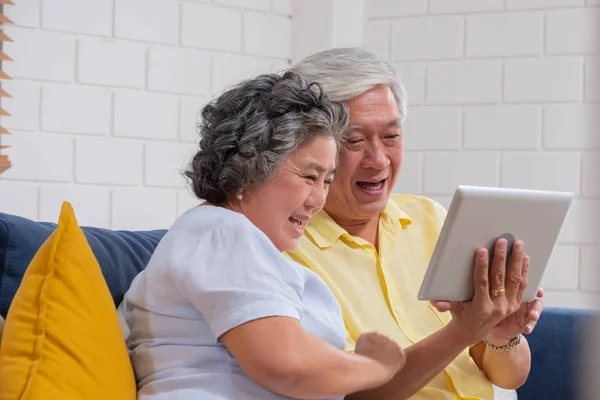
point(123, 254)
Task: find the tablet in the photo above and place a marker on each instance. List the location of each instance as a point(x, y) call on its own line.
point(476, 218)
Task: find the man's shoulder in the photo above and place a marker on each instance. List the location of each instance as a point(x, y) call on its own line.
point(418, 207)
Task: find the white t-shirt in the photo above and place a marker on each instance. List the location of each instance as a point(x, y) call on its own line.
point(213, 271)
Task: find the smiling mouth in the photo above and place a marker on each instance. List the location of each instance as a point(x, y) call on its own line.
point(370, 185)
point(299, 224)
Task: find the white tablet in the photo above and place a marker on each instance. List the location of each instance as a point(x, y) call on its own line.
point(477, 217)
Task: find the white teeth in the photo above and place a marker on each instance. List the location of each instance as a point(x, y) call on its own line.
point(372, 186)
point(296, 222)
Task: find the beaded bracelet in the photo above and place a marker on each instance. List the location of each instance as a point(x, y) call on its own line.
point(512, 343)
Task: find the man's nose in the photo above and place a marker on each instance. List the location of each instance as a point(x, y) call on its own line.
point(376, 157)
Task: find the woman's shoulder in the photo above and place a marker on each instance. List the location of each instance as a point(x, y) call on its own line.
point(220, 225)
point(227, 237)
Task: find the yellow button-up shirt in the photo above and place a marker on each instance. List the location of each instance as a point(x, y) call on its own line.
point(378, 289)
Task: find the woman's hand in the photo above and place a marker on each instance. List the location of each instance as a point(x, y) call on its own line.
point(383, 350)
point(497, 303)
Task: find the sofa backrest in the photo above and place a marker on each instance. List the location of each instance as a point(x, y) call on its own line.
point(121, 254)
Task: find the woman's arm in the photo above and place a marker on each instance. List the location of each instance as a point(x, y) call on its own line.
point(277, 353)
point(424, 360)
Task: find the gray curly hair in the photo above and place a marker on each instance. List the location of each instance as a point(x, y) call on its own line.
point(251, 129)
point(347, 72)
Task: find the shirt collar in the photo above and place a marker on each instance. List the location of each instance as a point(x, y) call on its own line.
point(393, 214)
point(324, 231)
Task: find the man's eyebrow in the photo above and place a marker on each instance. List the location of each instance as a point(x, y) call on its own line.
point(396, 122)
point(354, 127)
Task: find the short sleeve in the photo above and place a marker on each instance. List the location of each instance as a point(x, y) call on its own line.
point(236, 275)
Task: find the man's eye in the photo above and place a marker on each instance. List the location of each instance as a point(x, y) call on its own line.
point(353, 142)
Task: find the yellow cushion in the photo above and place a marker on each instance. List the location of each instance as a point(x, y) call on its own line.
point(62, 338)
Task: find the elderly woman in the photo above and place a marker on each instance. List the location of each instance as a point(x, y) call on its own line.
point(220, 312)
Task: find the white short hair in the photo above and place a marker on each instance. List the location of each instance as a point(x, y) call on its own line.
point(348, 72)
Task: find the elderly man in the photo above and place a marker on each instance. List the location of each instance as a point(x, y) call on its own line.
point(372, 248)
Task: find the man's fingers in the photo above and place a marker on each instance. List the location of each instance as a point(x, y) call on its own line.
point(540, 292)
point(535, 310)
point(529, 328)
point(481, 275)
point(524, 278)
point(515, 269)
point(533, 316)
point(441, 306)
point(498, 268)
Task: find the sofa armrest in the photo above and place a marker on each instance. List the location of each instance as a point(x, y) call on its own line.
point(556, 349)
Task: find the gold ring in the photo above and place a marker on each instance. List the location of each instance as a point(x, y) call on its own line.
point(498, 292)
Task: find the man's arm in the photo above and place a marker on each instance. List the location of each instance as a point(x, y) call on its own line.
point(507, 369)
point(484, 315)
point(424, 360)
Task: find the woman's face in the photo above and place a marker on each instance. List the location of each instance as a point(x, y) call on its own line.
point(283, 206)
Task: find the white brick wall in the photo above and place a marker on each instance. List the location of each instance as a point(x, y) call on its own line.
point(394, 8)
point(439, 37)
point(582, 36)
point(592, 79)
point(536, 80)
point(464, 6)
point(111, 63)
point(464, 82)
point(39, 156)
point(145, 115)
point(93, 17)
point(76, 109)
point(267, 35)
point(138, 20)
point(175, 70)
point(24, 107)
point(500, 35)
point(48, 56)
point(505, 127)
point(200, 22)
point(104, 105)
point(108, 161)
point(504, 92)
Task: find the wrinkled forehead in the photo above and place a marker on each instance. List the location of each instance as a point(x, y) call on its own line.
point(376, 106)
point(374, 124)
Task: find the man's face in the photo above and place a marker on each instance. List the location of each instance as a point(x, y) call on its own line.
point(369, 165)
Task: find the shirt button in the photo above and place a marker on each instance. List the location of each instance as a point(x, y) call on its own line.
point(399, 311)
